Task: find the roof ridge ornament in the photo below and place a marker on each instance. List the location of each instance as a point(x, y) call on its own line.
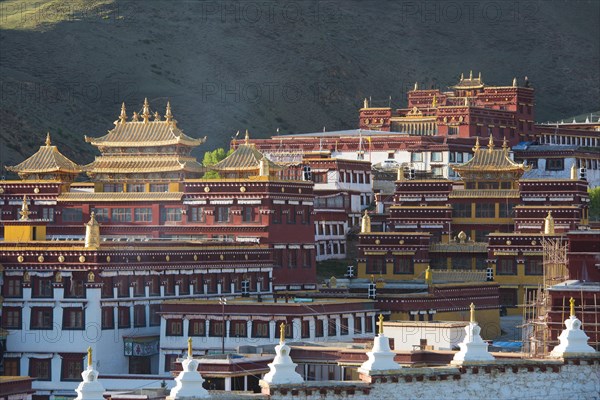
point(471, 75)
point(514, 82)
point(123, 116)
point(135, 117)
point(156, 116)
point(48, 141)
point(476, 147)
point(168, 114)
point(491, 144)
point(247, 138)
point(146, 110)
point(505, 144)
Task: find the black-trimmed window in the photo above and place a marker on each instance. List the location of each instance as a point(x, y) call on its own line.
point(71, 368)
point(101, 214)
point(319, 328)
point(72, 215)
point(416, 157)
point(344, 322)
point(143, 214)
point(305, 330)
point(331, 327)
point(292, 258)
point(174, 327)
point(170, 362)
point(12, 317)
point(358, 321)
point(170, 214)
point(485, 210)
point(376, 265)
point(461, 210)
point(108, 318)
point(507, 210)
point(555, 164)
point(41, 318)
point(197, 214)
point(534, 267)
point(121, 214)
point(216, 328)
point(222, 214)
point(139, 316)
point(506, 266)
point(13, 286)
point(113, 187)
point(154, 315)
point(248, 214)
point(237, 328)
point(40, 369)
point(12, 366)
point(48, 213)
point(136, 187)
point(260, 329)
point(436, 156)
point(73, 318)
point(404, 265)
point(124, 317)
point(197, 327)
point(159, 187)
point(41, 287)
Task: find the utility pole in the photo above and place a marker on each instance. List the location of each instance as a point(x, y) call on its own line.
point(223, 301)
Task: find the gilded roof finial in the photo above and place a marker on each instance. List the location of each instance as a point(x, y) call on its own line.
point(491, 143)
point(416, 86)
point(89, 356)
point(515, 82)
point(135, 117)
point(462, 77)
point(380, 323)
point(146, 110)
point(366, 103)
point(156, 116)
point(247, 138)
point(505, 144)
point(48, 142)
point(471, 75)
point(123, 116)
point(24, 209)
point(572, 304)
point(480, 76)
point(189, 347)
point(472, 307)
point(168, 114)
point(476, 147)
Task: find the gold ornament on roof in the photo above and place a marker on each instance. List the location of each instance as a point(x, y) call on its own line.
point(146, 110)
point(123, 116)
point(89, 356)
point(189, 347)
point(156, 116)
point(247, 138)
point(472, 307)
point(24, 209)
point(168, 114)
point(48, 141)
point(135, 117)
point(476, 147)
point(491, 144)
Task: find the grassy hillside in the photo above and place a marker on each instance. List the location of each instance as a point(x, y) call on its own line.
point(65, 67)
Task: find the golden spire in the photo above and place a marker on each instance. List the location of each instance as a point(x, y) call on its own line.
point(189, 347)
point(156, 116)
point(572, 304)
point(123, 116)
point(146, 110)
point(479, 76)
point(282, 333)
point(247, 138)
point(471, 75)
point(476, 148)
point(89, 357)
point(135, 117)
point(48, 142)
point(472, 307)
point(92, 232)
point(380, 323)
point(505, 144)
point(515, 82)
point(434, 101)
point(462, 77)
point(168, 115)
point(24, 209)
point(366, 103)
point(491, 144)
point(573, 172)
point(428, 275)
point(416, 86)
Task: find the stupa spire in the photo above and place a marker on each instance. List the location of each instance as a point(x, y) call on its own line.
point(491, 143)
point(123, 116)
point(146, 110)
point(476, 147)
point(48, 141)
point(168, 114)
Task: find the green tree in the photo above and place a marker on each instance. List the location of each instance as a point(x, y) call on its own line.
point(594, 207)
point(213, 157)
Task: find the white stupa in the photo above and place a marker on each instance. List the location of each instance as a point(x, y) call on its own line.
point(90, 388)
point(189, 381)
point(381, 358)
point(282, 369)
point(472, 349)
point(573, 340)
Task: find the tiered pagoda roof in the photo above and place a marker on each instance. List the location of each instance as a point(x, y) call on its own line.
point(47, 163)
point(138, 147)
point(490, 160)
point(469, 83)
point(245, 159)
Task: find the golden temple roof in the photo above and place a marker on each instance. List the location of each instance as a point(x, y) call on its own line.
point(145, 133)
point(119, 196)
point(46, 160)
point(142, 164)
point(470, 83)
point(490, 159)
point(245, 158)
